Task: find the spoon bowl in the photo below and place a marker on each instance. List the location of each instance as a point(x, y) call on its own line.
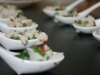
point(51, 13)
point(96, 36)
point(11, 44)
point(70, 20)
point(21, 66)
point(4, 28)
point(87, 30)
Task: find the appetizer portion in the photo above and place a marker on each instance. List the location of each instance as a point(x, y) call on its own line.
point(27, 35)
point(20, 22)
point(9, 11)
point(55, 7)
point(86, 22)
point(68, 14)
point(39, 53)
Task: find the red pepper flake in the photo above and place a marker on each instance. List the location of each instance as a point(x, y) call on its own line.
point(11, 19)
point(75, 21)
point(11, 37)
point(43, 50)
point(44, 42)
point(55, 63)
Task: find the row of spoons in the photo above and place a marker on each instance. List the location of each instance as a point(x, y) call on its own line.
point(70, 20)
point(18, 64)
point(60, 16)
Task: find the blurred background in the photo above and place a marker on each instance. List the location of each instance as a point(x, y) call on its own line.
point(38, 5)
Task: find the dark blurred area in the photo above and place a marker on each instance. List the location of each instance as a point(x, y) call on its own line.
point(38, 5)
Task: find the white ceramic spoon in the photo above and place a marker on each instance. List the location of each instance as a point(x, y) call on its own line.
point(96, 36)
point(88, 30)
point(5, 28)
point(25, 66)
point(67, 9)
point(70, 20)
point(11, 44)
point(3, 20)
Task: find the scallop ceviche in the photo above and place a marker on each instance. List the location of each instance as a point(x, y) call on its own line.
point(55, 7)
point(20, 22)
point(38, 53)
point(9, 11)
point(27, 35)
point(67, 14)
point(86, 22)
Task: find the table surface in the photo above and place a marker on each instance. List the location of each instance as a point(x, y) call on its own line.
point(82, 51)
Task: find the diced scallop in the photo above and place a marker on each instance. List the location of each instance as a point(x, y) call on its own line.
point(45, 37)
point(28, 34)
point(24, 40)
point(28, 22)
point(84, 19)
point(34, 56)
point(91, 18)
point(56, 56)
point(12, 23)
point(34, 31)
point(41, 36)
point(10, 33)
point(11, 7)
point(17, 22)
point(46, 47)
point(48, 54)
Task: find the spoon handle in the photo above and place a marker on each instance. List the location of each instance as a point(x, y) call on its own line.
point(89, 10)
point(71, 6)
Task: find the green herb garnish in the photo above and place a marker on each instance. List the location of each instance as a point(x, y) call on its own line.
point(19, 14)
point(25, 30)
point(34, 36)
point(79, 22)
point(38, 50)
point(24, 25)
point(48, 57)
point(17, 8)
point(22, 55)
point(5, 5)
point(28, 38)
point(85, 22)
point(16, 38)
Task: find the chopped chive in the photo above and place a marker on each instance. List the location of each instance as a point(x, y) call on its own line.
point(25, 30)
point(16, 38)
point(28, 38)
point(34, 37)
point(26, 41)
point(79, 22)
point(24, 25)
point(48, 57)
point(5, 5)
point(18, 15)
